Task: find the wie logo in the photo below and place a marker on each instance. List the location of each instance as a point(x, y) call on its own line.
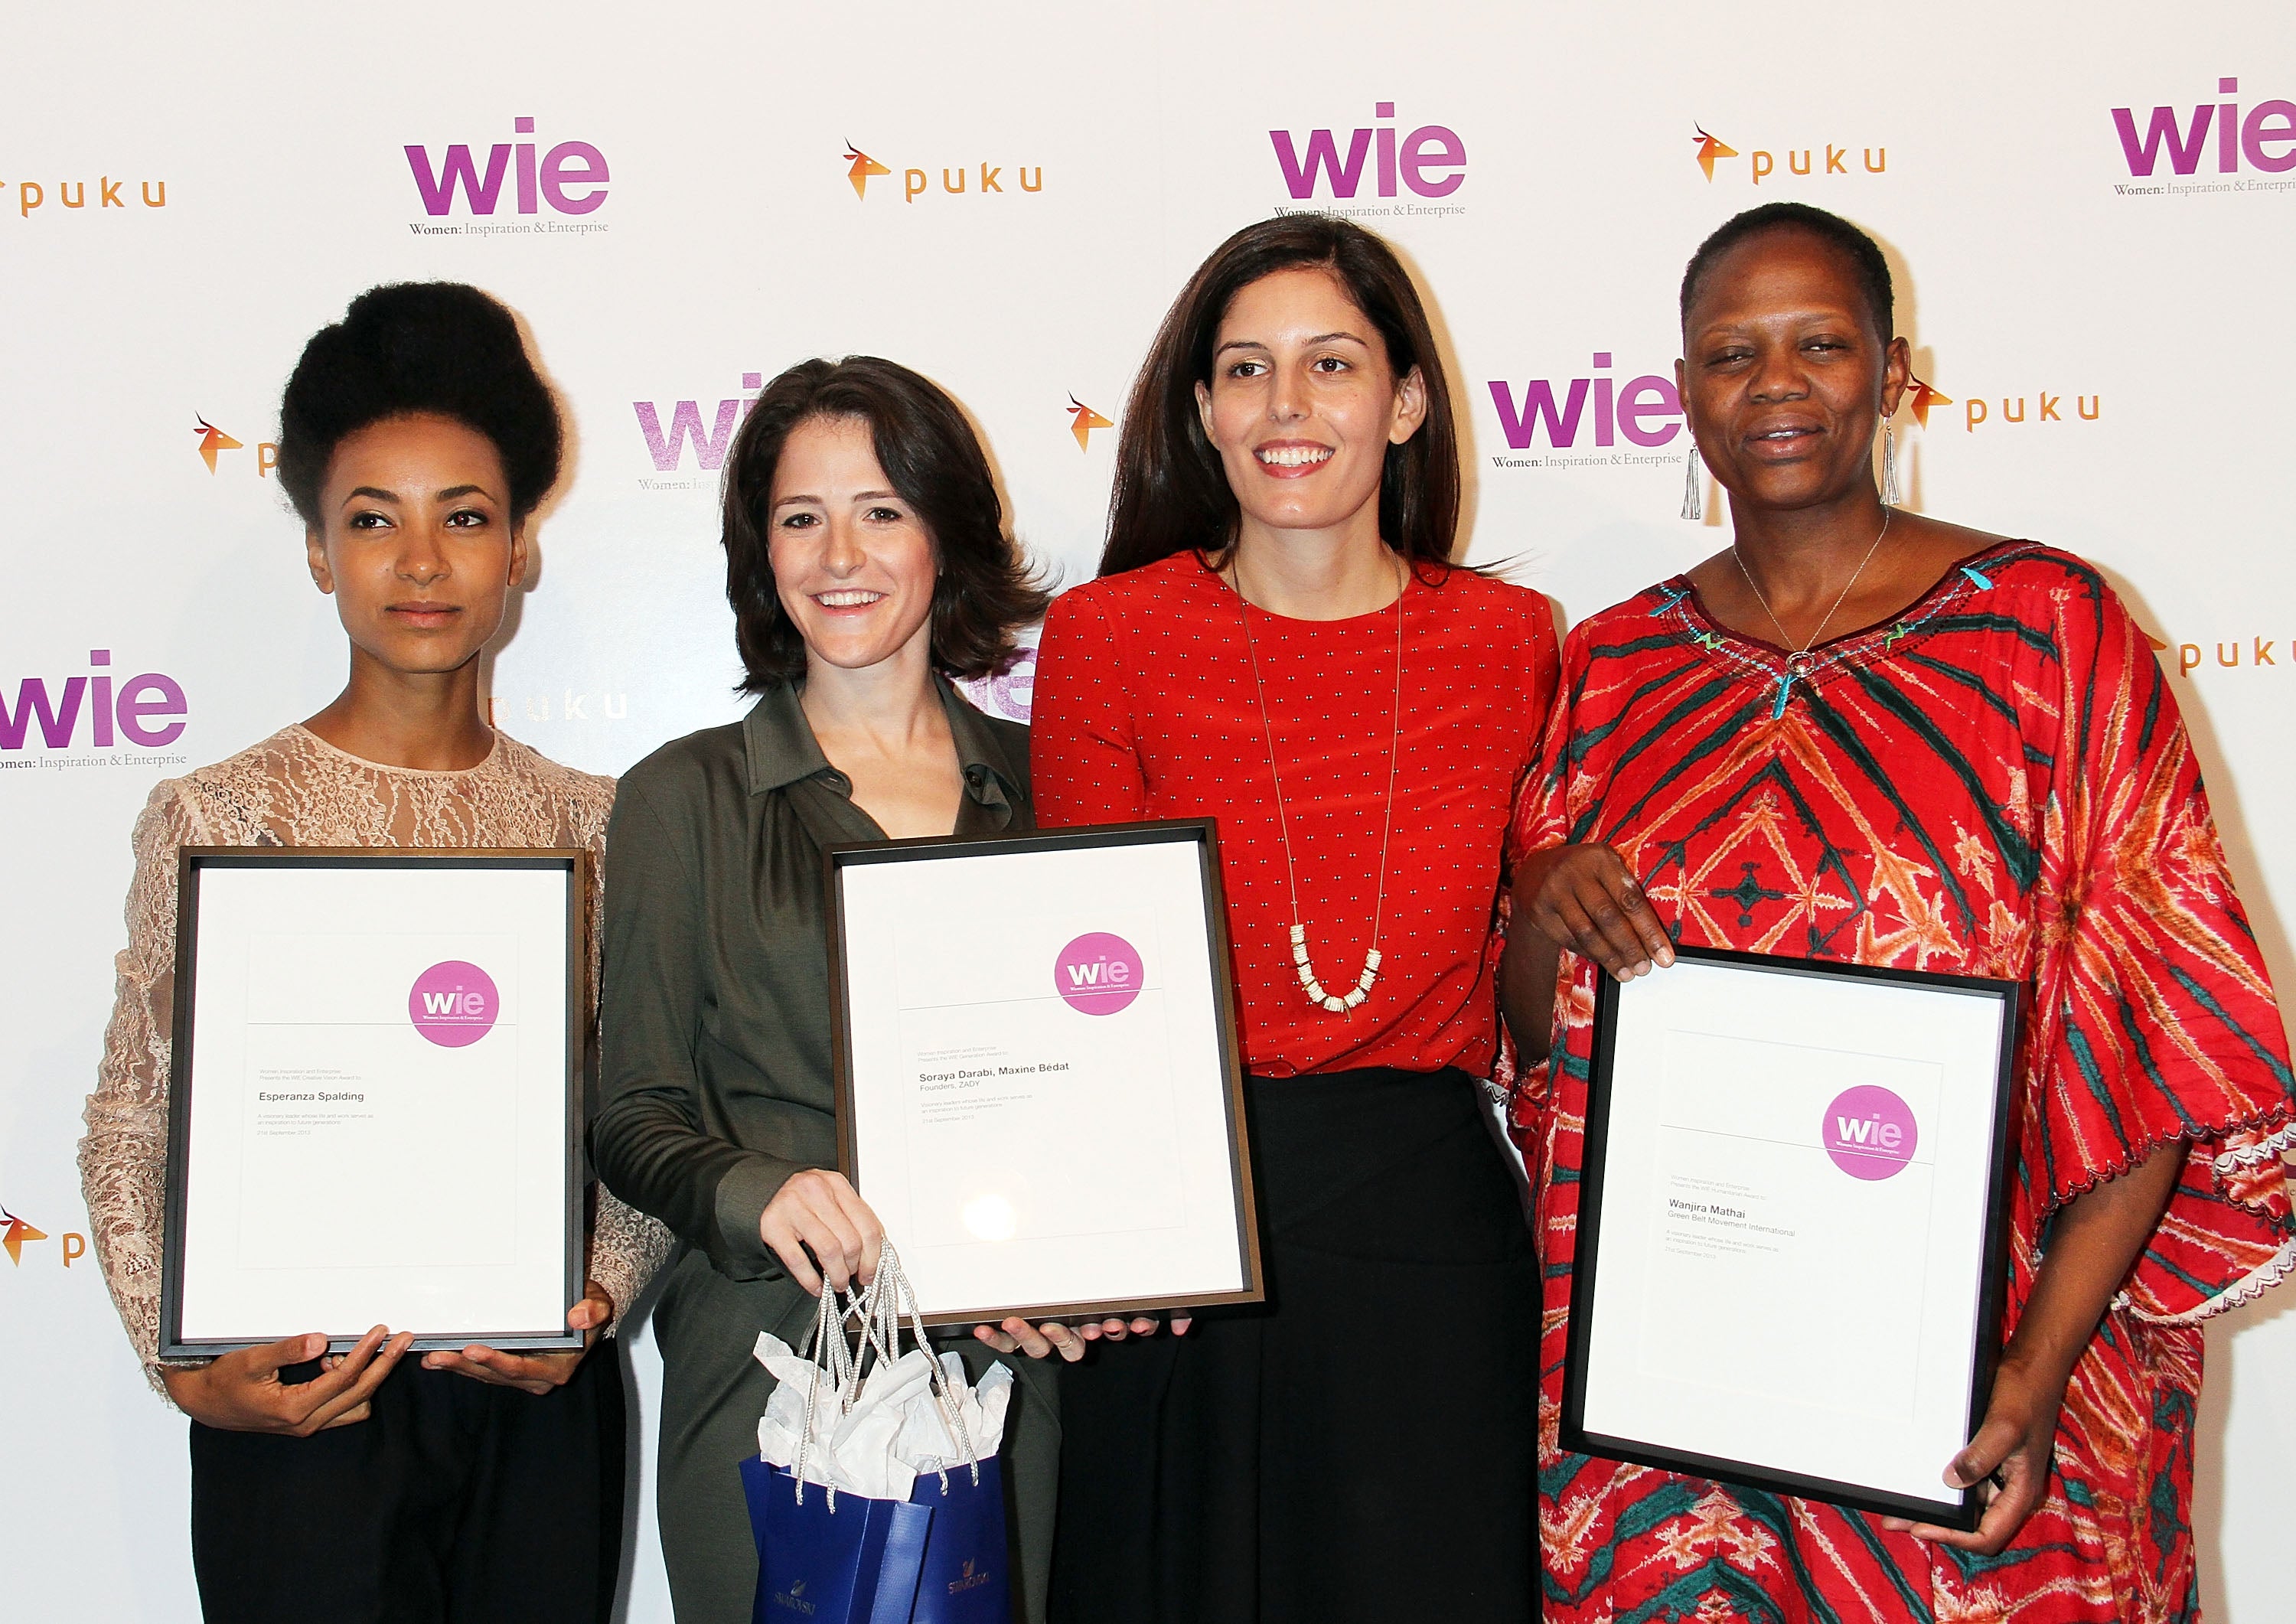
point(1869, 1132)
point(1430, 162)
point(1645, 409)
point(453, 1003)
point(2266, 137)
point(571, 177)
point(144, 709)
point(1099, 974)
point(709, 444)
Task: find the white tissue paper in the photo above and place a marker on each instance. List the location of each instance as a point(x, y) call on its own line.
point(895, 1430)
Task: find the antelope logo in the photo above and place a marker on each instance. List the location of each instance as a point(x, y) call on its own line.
point(19, 1232)
point(212, 441)
point(1923, 398)
point(863, 167)
point(1086, 421)
point(1710, 149)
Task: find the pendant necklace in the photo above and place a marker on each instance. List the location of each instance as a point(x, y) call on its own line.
point(1337, 1004)
point(1799, 660)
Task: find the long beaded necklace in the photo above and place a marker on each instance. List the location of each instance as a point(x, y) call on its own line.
point(1334, 1004)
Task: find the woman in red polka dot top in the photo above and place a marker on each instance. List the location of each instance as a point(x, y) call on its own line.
point(1278, 641)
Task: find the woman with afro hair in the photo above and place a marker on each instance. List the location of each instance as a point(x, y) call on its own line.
point(416, 440)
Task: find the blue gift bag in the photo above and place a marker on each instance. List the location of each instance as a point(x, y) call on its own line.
point(962, 1578)
point(824, 1557)
point(833, 1559)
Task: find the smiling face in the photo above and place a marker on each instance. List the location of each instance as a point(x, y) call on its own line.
point(1303, 403)
point(415, 542)
point(1783, 373)
point(852, 561)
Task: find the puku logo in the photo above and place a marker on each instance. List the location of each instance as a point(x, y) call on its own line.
point(1645, 409)
point(709, 445)
point(1761, 164)
point(1083, 421)
point(2043, 407)
point(1099, 974)
point(1432, 161)
point(16, 1234)
point(963, 181)
point(2266, 137)
point(32, 195)
point(453, 1003)
point(213, 442)
point(143, 709)
point(2260, 651)
point(864, 169)
point(571, 177)
point(1869, 1132)
point(969, 1579)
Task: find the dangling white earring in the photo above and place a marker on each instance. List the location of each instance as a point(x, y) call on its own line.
point(1694, 484)
point(1890, 495)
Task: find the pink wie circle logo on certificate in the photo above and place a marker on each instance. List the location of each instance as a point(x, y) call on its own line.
point(1869, 1132)
point(453, 1003)
point(1098, 974)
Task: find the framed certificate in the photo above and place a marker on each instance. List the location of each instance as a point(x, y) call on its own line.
point(1038, 1088)
point(1793, 1227)
point(375, 1098)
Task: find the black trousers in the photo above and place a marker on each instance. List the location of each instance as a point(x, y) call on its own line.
point(455, 1503)
point(1364, 1445)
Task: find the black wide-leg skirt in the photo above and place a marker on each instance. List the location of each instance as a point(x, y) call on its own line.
point(1361, 1447)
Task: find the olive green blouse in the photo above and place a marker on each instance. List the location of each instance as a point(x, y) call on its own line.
point(713, 1007)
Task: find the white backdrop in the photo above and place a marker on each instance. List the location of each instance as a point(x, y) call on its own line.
point(186, 194)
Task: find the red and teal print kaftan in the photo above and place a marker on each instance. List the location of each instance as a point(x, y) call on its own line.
point(1995, 783)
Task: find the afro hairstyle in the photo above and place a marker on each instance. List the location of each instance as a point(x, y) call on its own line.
point(419, 347)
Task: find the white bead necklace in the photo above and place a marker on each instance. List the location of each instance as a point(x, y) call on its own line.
point(1334, 1004)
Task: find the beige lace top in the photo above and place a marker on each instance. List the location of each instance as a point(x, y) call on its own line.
point(294, 788)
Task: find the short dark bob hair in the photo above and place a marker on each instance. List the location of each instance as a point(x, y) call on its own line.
point(983, 590)
point(427, 347)
point(1171, 493)
point(1864, 254)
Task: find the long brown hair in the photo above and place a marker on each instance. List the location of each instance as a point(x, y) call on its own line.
point(1171, 493)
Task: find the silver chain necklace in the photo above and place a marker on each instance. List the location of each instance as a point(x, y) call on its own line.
point(1798, 659)
point(1337, 1004)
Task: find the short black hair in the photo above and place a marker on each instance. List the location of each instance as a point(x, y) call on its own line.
point(409, 346)
point(1864, 253)
point(983, 589)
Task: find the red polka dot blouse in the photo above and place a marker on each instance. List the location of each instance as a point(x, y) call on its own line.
point(1145, 708)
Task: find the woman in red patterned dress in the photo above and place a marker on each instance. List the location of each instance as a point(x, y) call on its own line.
point(1279, 641)
point(1865, 735)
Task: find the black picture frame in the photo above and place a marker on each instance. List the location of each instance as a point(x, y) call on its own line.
point(1960, 1512)
point(1203, 834)
point(192, 864)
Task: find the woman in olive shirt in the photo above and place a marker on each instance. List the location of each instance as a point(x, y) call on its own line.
point(867, 563)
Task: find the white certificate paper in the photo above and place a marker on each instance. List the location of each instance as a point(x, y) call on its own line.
point(1789, 1261)
point(374, 1099)
point(1037, 1072)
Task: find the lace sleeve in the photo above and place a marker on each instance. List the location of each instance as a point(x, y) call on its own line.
point(626, 1247)
point(123, 1158)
